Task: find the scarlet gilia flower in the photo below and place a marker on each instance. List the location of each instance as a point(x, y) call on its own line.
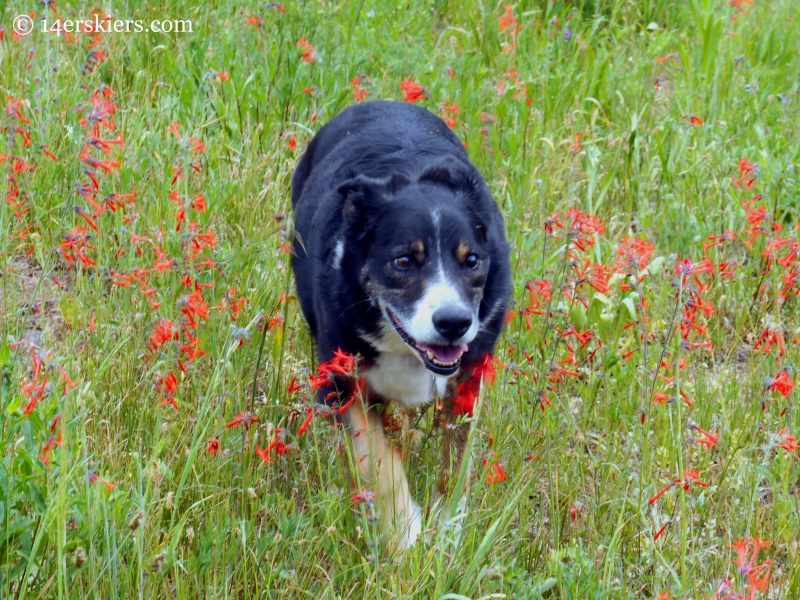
point(769, 340)
point(508, 21)
point(304, 425)
point(291, 139)
point(168, 385)
point(728, 269)
point(412, 91)
point(93, 478)
point(264, 454)
point(746, 566)
point(293, 386)
point(661, 530)
point(594, 274)
point(748, 172)
point(786, 441)
point(716, 240)
point(550, 223)
point(693, 119)
point(686, 267)
point(362, 497)
point(359, 91)
point(539, 291)
point(449, 112)
point(309, 53)
point(662, 59)
point(633, 252)
point(781, 383)
point(255, 21)
point(243, 419)
point(467, 391)
point(164, 331)
point(495, 474)
point(194, 306)
point(709, 440)
point(212, 447)
point(342, 364)
point(739, 4)
point(791, 284)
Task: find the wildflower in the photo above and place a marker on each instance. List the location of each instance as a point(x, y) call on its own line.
point(359, 91)
point(495, 474)
point(243, 419)
point(716, 240)
point(302, 429)
point(508, 21)
point(212, 447)
point(163, 332)
point(412, 91)
point(309, 53)
point(748, 172)
point(364, 496)
point(264, 454)
point(781, 383)
point(787, 441)
point(449, 110)
point(293, 386)
point(709, 440)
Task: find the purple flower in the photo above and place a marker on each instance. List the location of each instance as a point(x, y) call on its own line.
point(567, 34)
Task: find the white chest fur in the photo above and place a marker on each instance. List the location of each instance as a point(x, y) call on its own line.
point(403, 379)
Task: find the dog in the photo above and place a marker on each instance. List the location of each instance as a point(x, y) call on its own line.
point(400, 256)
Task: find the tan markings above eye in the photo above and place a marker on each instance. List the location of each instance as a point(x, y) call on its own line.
point(417, 247)
point(462, 251)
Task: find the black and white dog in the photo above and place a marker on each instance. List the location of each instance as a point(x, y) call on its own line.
point(400, 256)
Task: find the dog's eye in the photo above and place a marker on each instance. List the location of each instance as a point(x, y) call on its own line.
point(472, 261)
point(402, 262)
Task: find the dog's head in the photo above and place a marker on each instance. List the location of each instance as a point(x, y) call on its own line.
point(420, 245)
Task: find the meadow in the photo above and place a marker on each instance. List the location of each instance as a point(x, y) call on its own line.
point(638, 438)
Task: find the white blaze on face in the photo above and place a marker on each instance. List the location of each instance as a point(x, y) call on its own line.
point(441, 293)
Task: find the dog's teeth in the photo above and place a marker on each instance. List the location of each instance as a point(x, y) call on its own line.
point(430, 356)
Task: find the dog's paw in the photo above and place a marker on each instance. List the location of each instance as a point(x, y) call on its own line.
point(411, 527)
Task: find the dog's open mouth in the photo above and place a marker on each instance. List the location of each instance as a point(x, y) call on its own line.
point(439, 359)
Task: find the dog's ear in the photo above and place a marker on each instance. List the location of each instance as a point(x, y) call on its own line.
point(462, 177)
point(363, 196)
point(452, 172)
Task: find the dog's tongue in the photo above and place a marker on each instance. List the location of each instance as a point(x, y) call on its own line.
point(444, 353)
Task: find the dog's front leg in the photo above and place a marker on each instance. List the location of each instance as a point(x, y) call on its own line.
point(454, 444)
point(382, 468)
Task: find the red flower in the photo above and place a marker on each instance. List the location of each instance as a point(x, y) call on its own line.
point(787, 442)
point(163, 332)
point(264, 454)
point(309, 53)
point(709, 440)
point(781, 383)
point(212, 447)
point(508, 21)
point(243, 419)
point(412, 91)
point(363, 496)
point(495, 474)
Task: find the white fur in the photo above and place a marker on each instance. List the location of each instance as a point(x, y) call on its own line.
point(404, 379)
point(413, 526)
point(439, 294)
point(338, 253)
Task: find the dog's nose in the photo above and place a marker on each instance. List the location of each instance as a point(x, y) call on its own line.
point(452, 322)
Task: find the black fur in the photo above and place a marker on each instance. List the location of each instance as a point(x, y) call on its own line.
point(371, 177)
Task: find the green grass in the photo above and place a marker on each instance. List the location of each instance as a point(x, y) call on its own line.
point(573, 521)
